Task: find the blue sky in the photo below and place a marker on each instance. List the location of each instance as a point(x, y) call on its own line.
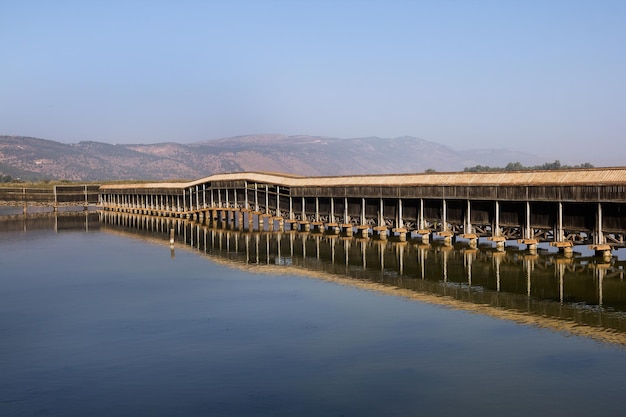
point(547, 77)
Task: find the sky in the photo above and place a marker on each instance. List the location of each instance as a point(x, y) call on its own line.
point(546, 77)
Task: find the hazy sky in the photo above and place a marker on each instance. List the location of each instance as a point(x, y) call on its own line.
point(544, 76)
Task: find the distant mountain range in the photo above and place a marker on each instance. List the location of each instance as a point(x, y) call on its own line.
point(31, 158)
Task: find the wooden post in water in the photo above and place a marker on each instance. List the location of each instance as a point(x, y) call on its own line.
point(171, 236)
point(55, 207)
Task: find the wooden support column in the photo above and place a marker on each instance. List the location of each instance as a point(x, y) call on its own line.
point(444, 216)
point(559, 234)
point(317, 209)
point(381, 229)
point(468, 221)
point(599, 233)
point(362, 211)
point(496, 226)
point(528, 234)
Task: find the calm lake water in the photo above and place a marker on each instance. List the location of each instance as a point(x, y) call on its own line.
point(99, 316)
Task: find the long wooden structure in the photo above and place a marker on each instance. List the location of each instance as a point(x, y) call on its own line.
point(564, 207)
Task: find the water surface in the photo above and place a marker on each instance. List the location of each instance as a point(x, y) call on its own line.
point(99, 321)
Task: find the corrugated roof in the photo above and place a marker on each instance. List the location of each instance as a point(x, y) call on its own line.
point(593, 176)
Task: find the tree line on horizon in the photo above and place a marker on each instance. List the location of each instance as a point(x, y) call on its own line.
point(517, 166)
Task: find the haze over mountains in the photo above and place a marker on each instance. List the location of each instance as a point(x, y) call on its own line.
point(32, 158)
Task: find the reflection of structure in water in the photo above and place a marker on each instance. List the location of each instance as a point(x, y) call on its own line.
point(548, 290)
point(58, 221)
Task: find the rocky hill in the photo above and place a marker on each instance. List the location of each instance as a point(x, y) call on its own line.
point(32, 158)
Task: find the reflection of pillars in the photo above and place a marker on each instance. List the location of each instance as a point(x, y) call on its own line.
point(364, 254)
point(247, 240)
point(530, 266)
point(599, 273)
point(469, 258)
point(332, 250)
point(560, 267)
point(445, 265)
point(381, 255)
point(497, 259)
point(317, 247)
point(256, 247)
point(292, 238)
point(303, 241)
point(267, 249)
point(421, 253)
point(401, 258)
point(346, 247)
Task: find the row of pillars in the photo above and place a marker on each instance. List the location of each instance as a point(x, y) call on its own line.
point(197, 200)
